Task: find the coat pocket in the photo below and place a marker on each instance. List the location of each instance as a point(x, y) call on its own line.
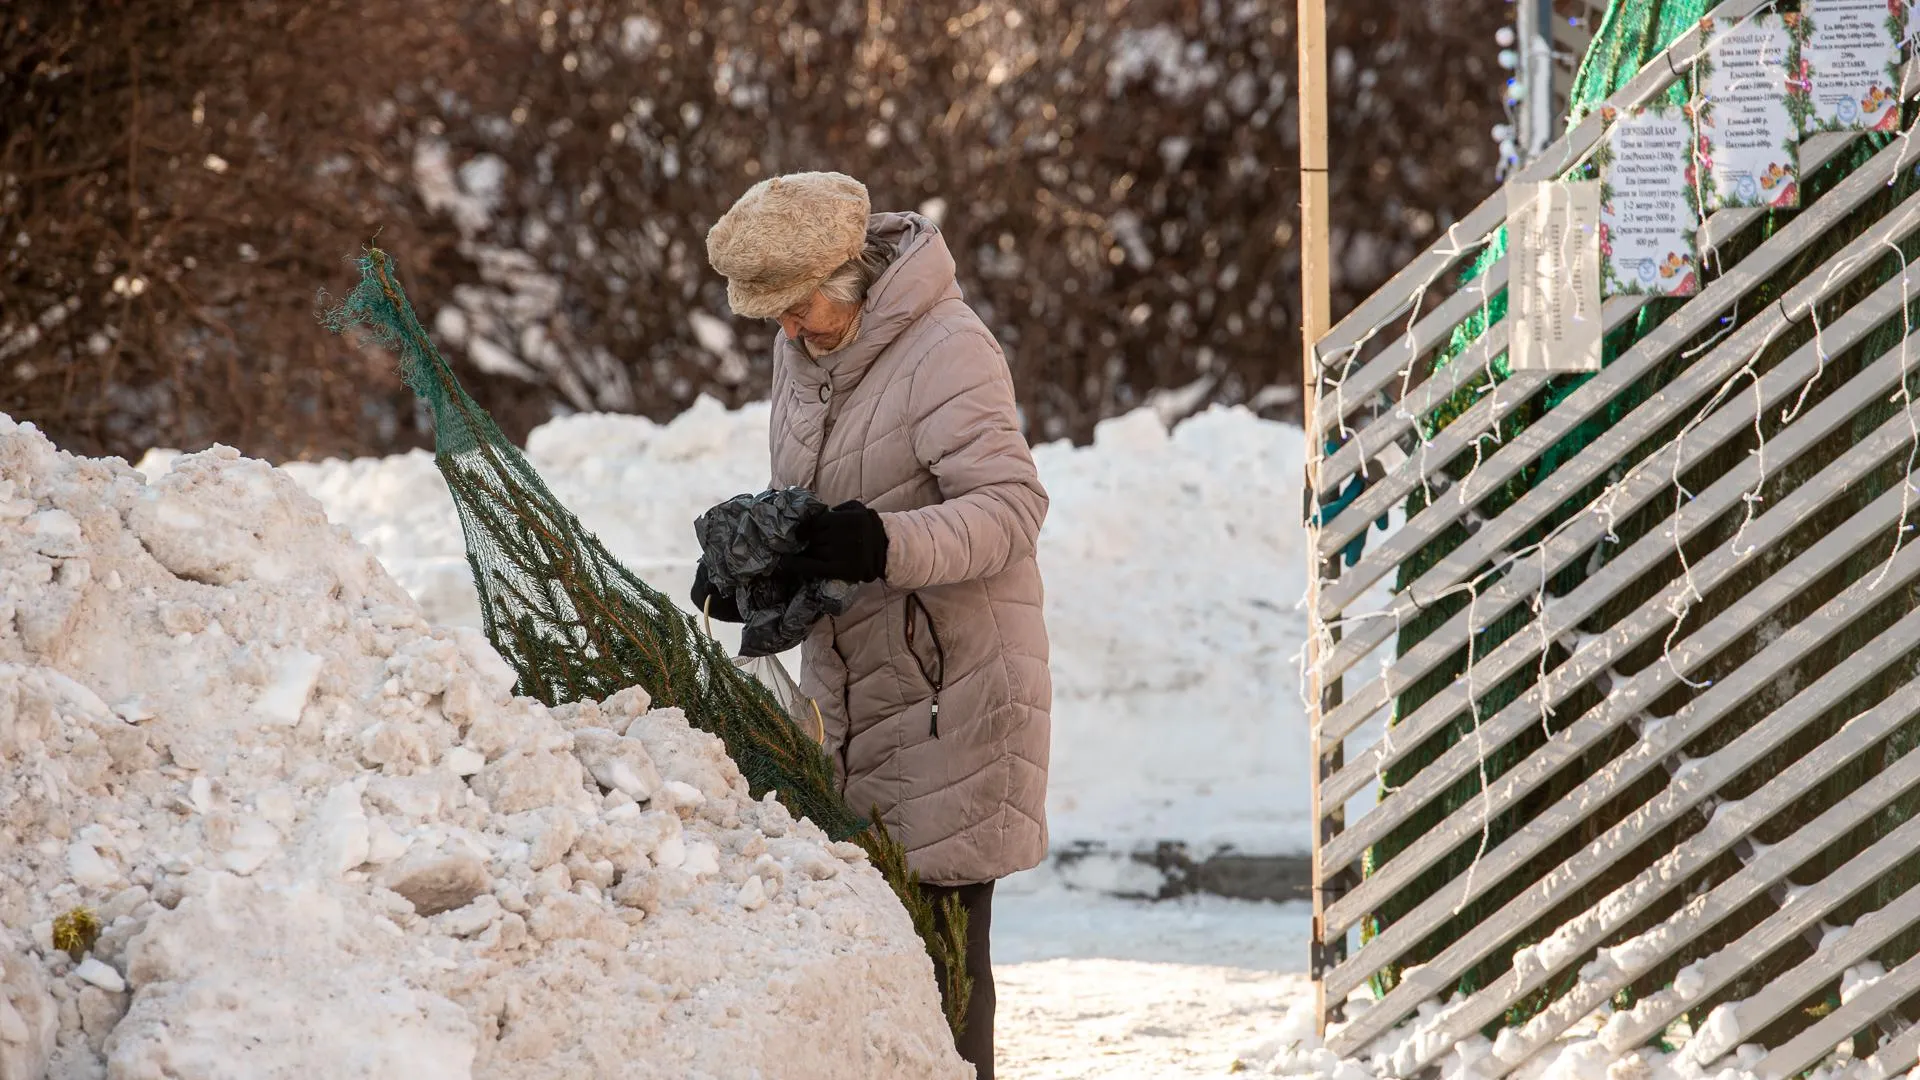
point(923, 645)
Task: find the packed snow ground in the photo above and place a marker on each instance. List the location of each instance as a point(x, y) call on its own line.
point(322, 838)
point(1174, 565)
point(1099, 988)
point(1096, 987)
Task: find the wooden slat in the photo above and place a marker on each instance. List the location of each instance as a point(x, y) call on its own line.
point(1362, 445)
point(1687, 721)
point(1346, 389)
point(1698, 314)
point(1739, 618)
point(1459, 759)
point(1401, 291)
point(1631, 492)
point(1730, 823)
point(1433, 330)
point(1807, 1048)
point(1351, 390)
point(1652, 1015)
point(1375, 416)
point(1565, 613)
point(1704, 778)
point(1899, 1054)
point(1859, 943)
point(1392, 299)
point(1702, 913)
point(1396, 421)
point(1571, 809)
point(1474, 425)
point(1366, 444)
point(1597, 654)
point(1398, 293)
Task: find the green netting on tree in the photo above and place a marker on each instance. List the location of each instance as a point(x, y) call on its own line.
point(1632, 33)
point(577, 625)
point(574, 623)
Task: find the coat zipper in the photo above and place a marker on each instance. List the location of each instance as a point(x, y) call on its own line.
point(934, 679)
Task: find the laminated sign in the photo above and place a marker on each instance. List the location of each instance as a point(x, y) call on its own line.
point(1748, 110)
point(1553, 283)
point(1852, 54)
point(1649, 203)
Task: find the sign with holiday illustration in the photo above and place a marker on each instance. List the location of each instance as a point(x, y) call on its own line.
point(1649, 207)
point(1748, 111)
point(1852, 63)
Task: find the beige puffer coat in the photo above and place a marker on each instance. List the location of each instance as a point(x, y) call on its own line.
point(915, 417)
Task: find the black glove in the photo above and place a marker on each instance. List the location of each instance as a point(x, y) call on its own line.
point(847, 543)
point(711, 601)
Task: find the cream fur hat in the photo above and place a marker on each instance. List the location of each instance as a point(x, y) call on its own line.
point(785, 237)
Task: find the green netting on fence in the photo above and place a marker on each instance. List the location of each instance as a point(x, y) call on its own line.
point(577, 625)
point(1632, 33)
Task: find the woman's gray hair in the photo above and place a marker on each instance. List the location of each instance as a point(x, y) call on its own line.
point(849, 284)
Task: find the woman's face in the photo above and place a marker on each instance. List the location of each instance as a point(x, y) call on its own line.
point(817, 322)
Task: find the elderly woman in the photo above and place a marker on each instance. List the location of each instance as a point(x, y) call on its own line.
point(893, 403)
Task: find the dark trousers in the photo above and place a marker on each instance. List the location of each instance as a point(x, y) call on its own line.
point(976, 1042)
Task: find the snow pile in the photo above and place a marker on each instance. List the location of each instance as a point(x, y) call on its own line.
point(1174, 564)
point(635, 484)
point(323, 839)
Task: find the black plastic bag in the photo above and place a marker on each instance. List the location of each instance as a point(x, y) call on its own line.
point(741, 542)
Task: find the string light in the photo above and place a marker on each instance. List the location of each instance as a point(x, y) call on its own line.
point(1603, 507)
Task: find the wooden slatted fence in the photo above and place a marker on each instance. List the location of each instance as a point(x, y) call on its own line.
point(1619, 701)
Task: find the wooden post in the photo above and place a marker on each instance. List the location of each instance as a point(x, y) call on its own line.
point(1316, 317)
point(1316, 306)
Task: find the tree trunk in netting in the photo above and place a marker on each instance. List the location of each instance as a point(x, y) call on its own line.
point(1634, 32)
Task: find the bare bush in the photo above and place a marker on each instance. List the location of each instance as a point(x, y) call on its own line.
point(1118, 182)
point(176, 180)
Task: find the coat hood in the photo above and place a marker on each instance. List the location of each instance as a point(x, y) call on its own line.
point(920, 276)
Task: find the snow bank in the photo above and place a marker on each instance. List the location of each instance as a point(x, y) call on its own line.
point(1174, 563)
point(324, 840)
